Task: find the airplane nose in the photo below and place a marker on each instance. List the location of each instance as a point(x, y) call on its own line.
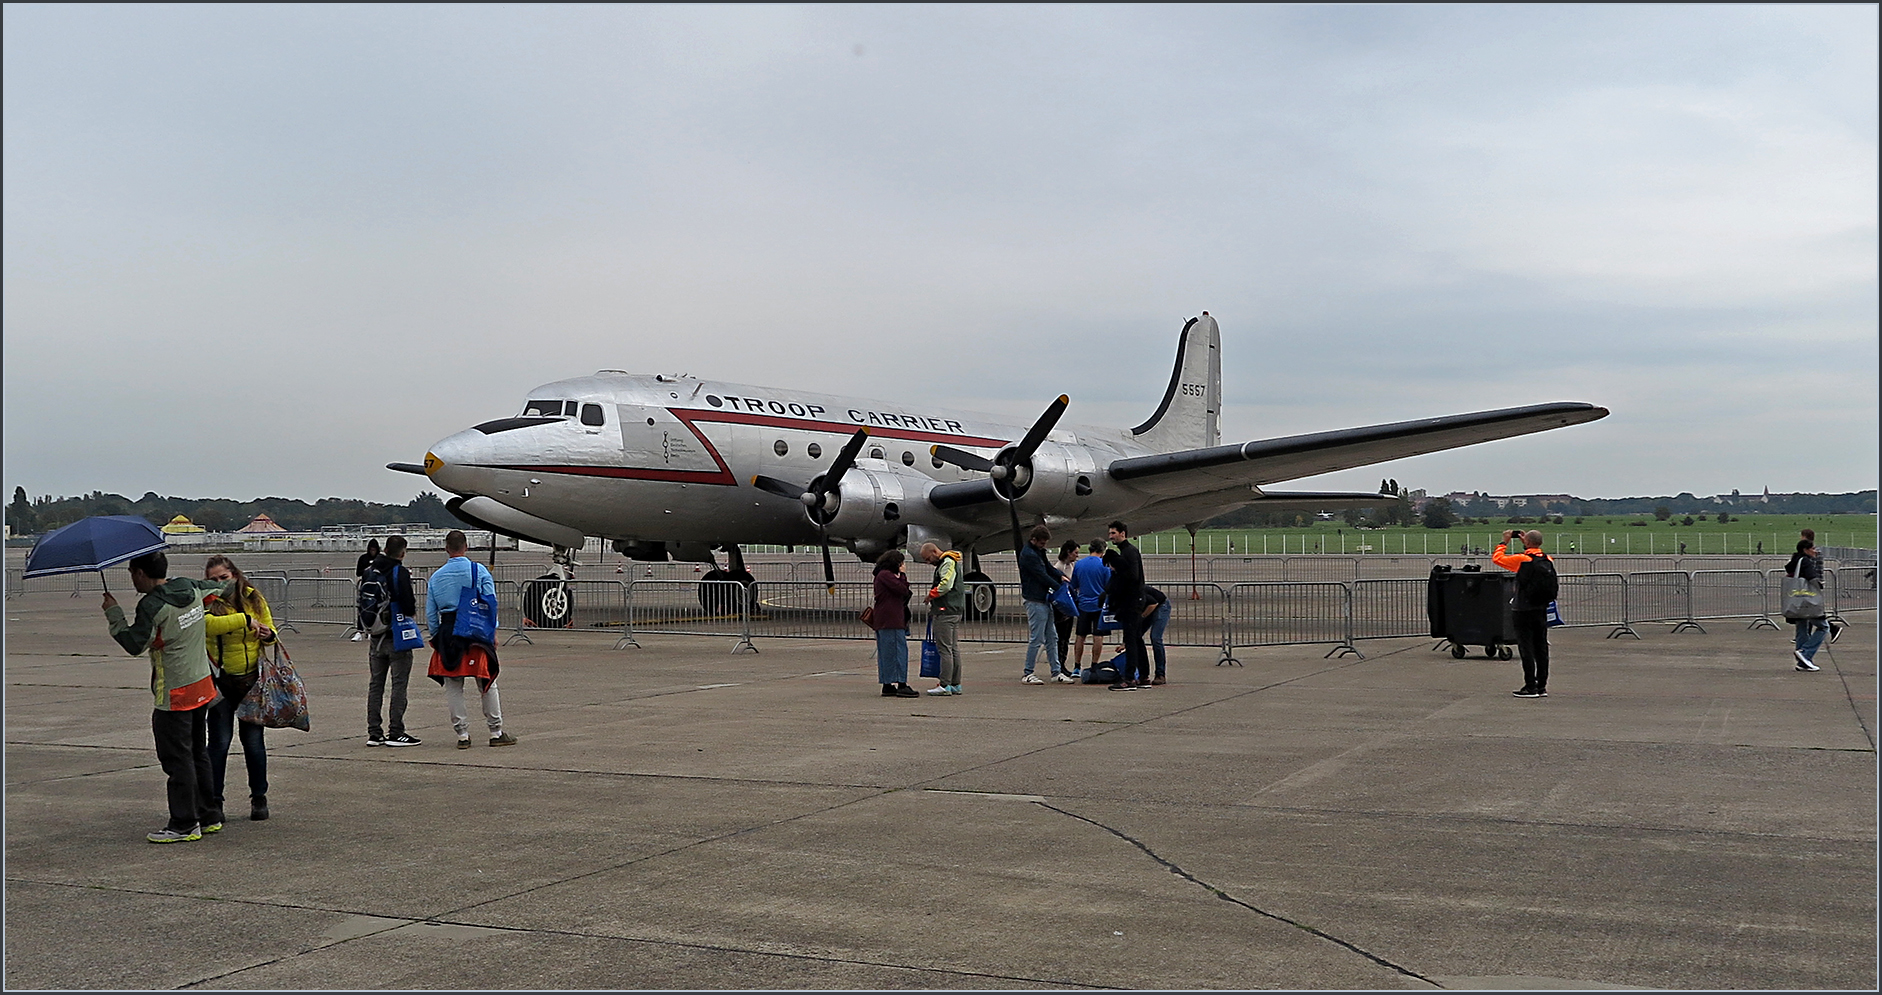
point(448, 461)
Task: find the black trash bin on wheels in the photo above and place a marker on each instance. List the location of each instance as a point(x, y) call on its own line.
point(1472, 608)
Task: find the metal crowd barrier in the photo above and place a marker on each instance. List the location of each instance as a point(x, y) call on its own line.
point(1714, 595)
point(1222, 616)
point(1280, 614)
point(1591, 600)
point(691, 608)
point(1662, 596)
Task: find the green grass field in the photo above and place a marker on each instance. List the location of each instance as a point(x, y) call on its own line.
point(1751, 534)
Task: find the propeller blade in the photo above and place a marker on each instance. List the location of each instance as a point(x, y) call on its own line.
point(1018, 544)
point(1041, 428)
point(833, 477)
point(961, 458)
point(829, 570)
point(772, 485)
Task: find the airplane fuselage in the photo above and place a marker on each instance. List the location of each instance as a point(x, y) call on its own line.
point(635, 457)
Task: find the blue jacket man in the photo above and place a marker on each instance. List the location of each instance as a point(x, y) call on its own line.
point(1090, 578)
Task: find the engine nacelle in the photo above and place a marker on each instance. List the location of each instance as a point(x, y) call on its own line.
point(871, 504)
point(1064, 482)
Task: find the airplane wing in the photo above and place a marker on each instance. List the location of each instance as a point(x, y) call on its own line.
point(1214, 468)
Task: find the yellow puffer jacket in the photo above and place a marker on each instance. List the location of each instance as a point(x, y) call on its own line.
point(230, 643)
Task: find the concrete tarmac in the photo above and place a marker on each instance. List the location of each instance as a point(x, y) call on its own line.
point(1685, 811)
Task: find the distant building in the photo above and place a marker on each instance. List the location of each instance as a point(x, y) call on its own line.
point(182, 526)
point(261, 524)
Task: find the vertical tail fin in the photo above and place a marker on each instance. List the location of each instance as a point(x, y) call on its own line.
point(1190, 416)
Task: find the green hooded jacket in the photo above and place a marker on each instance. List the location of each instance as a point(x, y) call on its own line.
point(170, 628)
point(947, 596)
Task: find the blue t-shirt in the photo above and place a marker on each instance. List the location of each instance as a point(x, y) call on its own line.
point(446, 587)
point(1090, 577)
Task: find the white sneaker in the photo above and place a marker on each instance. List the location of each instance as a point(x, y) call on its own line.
point(944, 689)
point(357, 636)
point(1063, 678)
point(1803, 662)
point(1031, 679)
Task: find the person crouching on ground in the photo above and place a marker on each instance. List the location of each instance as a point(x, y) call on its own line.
point(1038, 579)
point(455, 657)
point(1157, 617)
point(947, 602)
point(889, 617)
point(169, 626)
point(1530, 612)
point(238, 628)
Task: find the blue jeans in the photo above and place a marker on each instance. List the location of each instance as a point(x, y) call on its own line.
point(1810, 633)
point(1044, 635)
point(892, 656)
point(223, 730)
point(1157, 624)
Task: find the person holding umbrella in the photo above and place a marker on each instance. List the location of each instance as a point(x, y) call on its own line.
point(169, 627)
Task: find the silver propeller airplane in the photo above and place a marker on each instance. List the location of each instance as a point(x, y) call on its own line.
point(676, 467)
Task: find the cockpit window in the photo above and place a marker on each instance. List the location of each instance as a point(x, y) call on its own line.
point(545, 409)
point(568, 409)
point(591, 414)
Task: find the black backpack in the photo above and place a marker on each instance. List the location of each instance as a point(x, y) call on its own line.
point(375, 593)
point(1536, 583)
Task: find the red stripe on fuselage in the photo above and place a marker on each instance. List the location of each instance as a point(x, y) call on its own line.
point(723, 475)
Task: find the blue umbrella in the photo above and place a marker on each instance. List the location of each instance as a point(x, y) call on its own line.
point(92, 544)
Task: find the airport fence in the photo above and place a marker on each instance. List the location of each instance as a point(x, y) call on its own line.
point(1340, 613)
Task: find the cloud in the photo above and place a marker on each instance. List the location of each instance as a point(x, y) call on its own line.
point(364, 228)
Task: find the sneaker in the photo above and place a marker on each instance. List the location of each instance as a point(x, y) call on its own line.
point(402, 739)
point(956, 689)
point(1529, 692)
point(503, 739)
point(1159, 680)
point(1120, 686)
point(372, 740)
point(258, 809)
point(943, 689)
point(904, 691)
point(1803, 662)
point(168, 835)
point(1031, 679)
point(212, 827)
point(1063, 678)
point(357, 636)
point(464, 744)
point(888, 690)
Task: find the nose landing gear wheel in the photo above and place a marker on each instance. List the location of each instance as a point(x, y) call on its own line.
point(548, 603)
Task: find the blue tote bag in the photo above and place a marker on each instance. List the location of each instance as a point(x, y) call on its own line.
point(476, 614)
point(930, 654)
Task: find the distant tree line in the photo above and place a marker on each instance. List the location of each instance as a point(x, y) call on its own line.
point(45, 513)
point(1441, 513)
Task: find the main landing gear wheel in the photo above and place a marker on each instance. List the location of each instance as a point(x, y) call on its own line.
point(721, 598)
point(982, 599)
point(548, 603)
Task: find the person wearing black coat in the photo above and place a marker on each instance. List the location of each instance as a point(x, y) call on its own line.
point(1805, 564)
point(1038, 579)
point(382, 660)
point(1126, 597)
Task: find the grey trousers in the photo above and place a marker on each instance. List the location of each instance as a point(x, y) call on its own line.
point(382, 661)
point(947, 642)
point(460, 720)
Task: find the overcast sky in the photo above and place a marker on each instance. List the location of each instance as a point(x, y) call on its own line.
point(264, 250)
